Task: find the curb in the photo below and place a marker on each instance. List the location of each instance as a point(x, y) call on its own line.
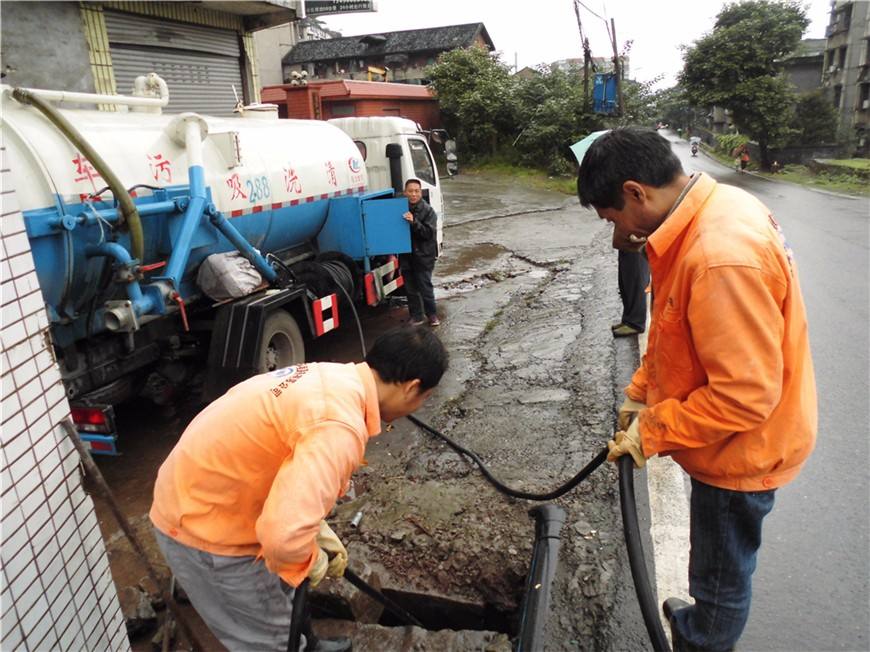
point(785, 183)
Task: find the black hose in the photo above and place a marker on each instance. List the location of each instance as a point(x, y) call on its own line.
point(559, 491)
point(340, 274)
point(631, 529)
point(298, 615)
point(376, 595)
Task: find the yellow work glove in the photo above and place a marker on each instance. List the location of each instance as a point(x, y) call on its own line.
point(627, 412)
point(330, 544)
point(318, 571)
point(627, 441)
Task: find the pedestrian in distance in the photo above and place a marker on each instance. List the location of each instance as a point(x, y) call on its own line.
point(744, 159)
point(418, 265)
point(239, 504)
point(726, 386)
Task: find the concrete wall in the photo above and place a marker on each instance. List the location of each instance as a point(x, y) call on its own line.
point(56, 590)
point(43, 46)
point(272, 45)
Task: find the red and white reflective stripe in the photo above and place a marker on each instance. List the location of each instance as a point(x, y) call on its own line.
point(371, 292)
point(397, 279)
point(328, 304)
point(376, 288)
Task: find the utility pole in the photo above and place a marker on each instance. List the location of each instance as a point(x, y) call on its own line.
point(617, 68)
point(587, 58)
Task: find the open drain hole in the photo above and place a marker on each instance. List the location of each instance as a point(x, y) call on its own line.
point(435, 612)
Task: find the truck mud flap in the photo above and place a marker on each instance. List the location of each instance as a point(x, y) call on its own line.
point(232, 356)
point(383, 281)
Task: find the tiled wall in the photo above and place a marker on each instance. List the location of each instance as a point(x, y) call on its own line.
point(56, 590)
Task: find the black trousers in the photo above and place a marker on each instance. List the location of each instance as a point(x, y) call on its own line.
point(417, 272)
point(633, 279)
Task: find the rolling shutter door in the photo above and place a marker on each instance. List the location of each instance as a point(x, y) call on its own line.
point(200, 64)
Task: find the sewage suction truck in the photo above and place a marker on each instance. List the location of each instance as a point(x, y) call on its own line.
point(168, 244)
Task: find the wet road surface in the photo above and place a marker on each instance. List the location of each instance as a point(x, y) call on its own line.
point(810, 591)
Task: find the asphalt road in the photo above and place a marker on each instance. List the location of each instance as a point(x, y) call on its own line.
point(811, 586)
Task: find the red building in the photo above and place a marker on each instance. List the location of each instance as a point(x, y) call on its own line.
point(344, 98)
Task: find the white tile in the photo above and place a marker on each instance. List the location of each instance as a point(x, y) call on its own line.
point(53, 474)
point(44, 361)
point(16, 445)
point(7, 382)
point(10, 312)
point(13, 543)
point(10, 504)
point(34, 506)
point(7, 289)
point(10, 405)
point(40, 526)
point(26, 590)
point(66, 524)
point(10, 204)
point(13, 223)
point(13, 424)
point(55, 392)
point(28, 484)
point(12, 637)
point(72, 639)
point(25, 372)
point(12, 518)
point(19, 467)
point(44, 445)
point(34, 325)
point(5, 270)
point(17, 566)
point(36, 409)
point(50, 565)
point(13, 334)
point(16, 244)
point(31, 303)
point(37, 621)
point(18, 354)
point(58, 413)
point(27, 284)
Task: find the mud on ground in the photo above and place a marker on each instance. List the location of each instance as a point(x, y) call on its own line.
point(527, 290)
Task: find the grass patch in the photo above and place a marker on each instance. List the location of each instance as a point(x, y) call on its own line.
point(529, 176)
point(802, 175)
point(854, 163)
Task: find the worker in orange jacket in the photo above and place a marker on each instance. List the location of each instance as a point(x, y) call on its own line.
point(239, 504)
point(726, 386)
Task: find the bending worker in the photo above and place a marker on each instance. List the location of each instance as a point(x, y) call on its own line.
point(726, 386)
point(240, 501)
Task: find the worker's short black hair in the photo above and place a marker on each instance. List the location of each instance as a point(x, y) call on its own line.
point(407, 353)
point(413, 180)
point(621, 155)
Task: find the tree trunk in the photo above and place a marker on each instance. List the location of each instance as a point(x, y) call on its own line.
point(765, 155)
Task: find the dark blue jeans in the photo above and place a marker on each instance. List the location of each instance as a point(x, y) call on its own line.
point(725, 535)
point(417, 272)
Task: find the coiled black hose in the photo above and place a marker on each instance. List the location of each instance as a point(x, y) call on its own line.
point(559, 491)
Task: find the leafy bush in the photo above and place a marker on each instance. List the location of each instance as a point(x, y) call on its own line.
point(726, 143)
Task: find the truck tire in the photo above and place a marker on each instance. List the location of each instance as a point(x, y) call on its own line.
point(281, 344)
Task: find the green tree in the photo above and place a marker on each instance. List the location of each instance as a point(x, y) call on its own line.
point(736, 67)
point(552, 116)
point(476, 94)
point(815, 120)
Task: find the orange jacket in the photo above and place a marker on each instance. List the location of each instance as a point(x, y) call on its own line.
point(256, 471)
point(727, 374)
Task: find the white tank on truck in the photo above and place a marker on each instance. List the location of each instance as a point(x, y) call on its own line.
point(123, 208)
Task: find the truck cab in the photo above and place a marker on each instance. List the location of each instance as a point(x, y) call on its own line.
point(372, 135)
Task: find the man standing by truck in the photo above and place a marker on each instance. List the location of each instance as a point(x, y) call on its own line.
point(726, 385)
point(239, 503)
point(417, 266)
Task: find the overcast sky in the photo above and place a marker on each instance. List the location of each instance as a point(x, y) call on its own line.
point(543, 31)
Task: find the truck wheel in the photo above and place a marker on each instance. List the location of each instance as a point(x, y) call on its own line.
point(281, 344)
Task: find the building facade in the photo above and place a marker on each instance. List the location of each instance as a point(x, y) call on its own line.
point(803, 67)
point(204, 50)
point(846, 70)
point(389, 56)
